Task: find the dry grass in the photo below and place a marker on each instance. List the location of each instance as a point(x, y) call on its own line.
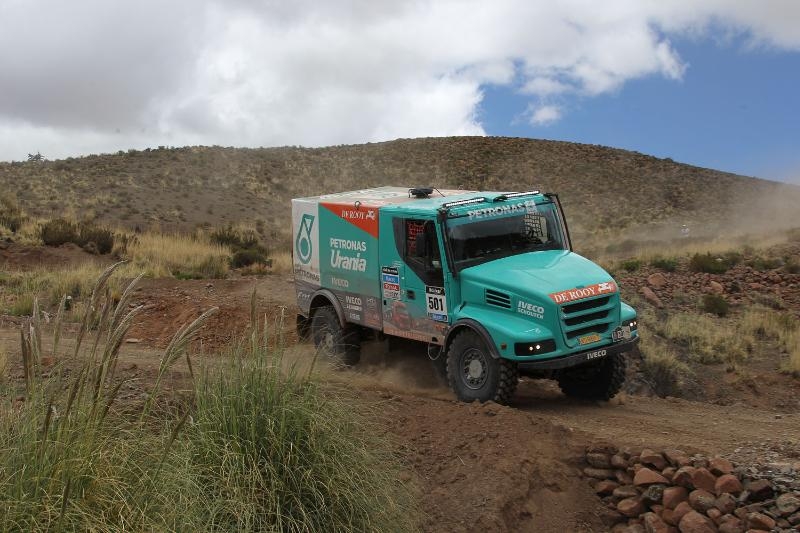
point(282, 262)
point(782, 327)
point(164, 255)
point(661, 367)
point(709, 340)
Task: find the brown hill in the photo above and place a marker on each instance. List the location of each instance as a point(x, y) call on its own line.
point(605, 191)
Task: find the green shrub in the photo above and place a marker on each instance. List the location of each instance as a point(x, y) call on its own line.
point(709, 264)
point(765, 263)
point(667, 264)
point(103, 238)
point(59, 231)
point(235, 238)
point(243, 258)
point(631, 265)
point(715, 304)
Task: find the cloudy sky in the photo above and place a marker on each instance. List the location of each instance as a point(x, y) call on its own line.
point(713, 82)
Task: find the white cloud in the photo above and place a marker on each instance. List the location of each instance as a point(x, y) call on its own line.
point(544, 115)
point(98, 76)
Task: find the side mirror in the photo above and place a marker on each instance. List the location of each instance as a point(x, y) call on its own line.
point(421, 245)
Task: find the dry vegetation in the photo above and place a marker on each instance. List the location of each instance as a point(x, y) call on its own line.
point(171, 189)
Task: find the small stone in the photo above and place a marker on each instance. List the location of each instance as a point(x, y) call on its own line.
point(701, 500)
point(133, 340)
point(598, 460)
point(668, 472)
point(720, 466)
point(725, 503)
point(668, 515)
point(605, 487)
point(760, 521)
point(630, 507)
point(617, 461)
point(734, 525)
point(787, 504)
point(601, 447)
point(645, 476)
point(703, 479)
point(653, 459)
point(728, 483)
point(683, 477)
point(794, 519)
point(673, 496)
point(653, 494)
point(654, 524)
point(694, 522)
point(676, 458)
point(679, 511)
point(714, 514)
point(625, 491)
point(759, 490)
point(623, 477)
point(598, 473)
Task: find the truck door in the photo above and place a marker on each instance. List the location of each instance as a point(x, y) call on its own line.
point(414, 291)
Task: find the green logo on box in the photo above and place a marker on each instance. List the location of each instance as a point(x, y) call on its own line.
point(302, 242)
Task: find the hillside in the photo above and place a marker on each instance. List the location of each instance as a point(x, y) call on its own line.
point(604, 190)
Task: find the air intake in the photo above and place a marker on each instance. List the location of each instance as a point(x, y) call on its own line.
point(498, 299)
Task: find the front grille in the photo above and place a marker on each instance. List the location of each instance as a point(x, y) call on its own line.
point(499, 299)
point(587, 317)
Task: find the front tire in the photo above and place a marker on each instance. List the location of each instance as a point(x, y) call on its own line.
point(601, 380)
point(341, 344)
point(474, 374)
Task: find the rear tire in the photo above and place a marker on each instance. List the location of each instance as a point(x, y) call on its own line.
point(474, 374)
point(600, 380)
point(341, 344)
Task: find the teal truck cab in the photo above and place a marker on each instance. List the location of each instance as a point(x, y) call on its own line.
point(487, 279)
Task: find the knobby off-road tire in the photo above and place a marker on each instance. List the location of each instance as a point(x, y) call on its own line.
point(341, 344)
point(600, 380)
point(474, 374)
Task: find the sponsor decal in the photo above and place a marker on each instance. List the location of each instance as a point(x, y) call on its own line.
point(621, 333)
point(571, 295)
point(589, 339)
point(436, 303)
point(529, 309)
point(339, 282)
point(528, 206)
point(391, 283)
point(364, 218)
point(344, 261)
point(302, 243)
point(597, 354)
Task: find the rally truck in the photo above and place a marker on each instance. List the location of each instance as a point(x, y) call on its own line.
point(488, 280)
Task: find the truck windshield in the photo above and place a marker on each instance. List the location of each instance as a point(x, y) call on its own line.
point(482, 235)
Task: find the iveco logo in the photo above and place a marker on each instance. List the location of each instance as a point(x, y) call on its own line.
point(596, 354)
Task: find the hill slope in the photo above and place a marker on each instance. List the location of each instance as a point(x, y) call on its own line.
point(604, 190)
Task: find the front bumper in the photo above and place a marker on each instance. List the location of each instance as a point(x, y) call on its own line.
point(579, 358)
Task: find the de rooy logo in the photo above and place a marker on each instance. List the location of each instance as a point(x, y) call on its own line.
point(303, 240)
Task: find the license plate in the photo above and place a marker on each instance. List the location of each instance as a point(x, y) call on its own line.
point(588, 339)
point(621, 333)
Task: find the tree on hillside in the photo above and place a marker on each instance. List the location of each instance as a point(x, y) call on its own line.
point(37, 157)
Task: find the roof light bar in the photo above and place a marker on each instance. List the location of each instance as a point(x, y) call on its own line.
point(457, 203)
point(518, 194)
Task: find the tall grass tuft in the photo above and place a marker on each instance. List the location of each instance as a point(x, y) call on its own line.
point(183, 256)
point(274, 451)
point(258, 447)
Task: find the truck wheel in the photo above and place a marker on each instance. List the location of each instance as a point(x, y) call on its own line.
point(342, 344)
point(600, 380)
point(474, 374)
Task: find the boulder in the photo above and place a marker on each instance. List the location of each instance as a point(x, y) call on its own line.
point(605, 487)
point(654, 524)
point(683, 477)
point(657, 280)
point(701, 500)
point(720, 466)
point(727, 483)
point(653, 459)
point(598, 460)
point(725, 503)
point(694, 522)
point(598, 473)
point(645, 476)
point(715, 287)
point(651, 297)
point(702, 478)
point(630, 507)
point(760, 521)
point(759, 490)
point(673, 496)
point(787, 504)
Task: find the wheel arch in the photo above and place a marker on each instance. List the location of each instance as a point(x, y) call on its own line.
point(470, 324)
point(323, 297)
